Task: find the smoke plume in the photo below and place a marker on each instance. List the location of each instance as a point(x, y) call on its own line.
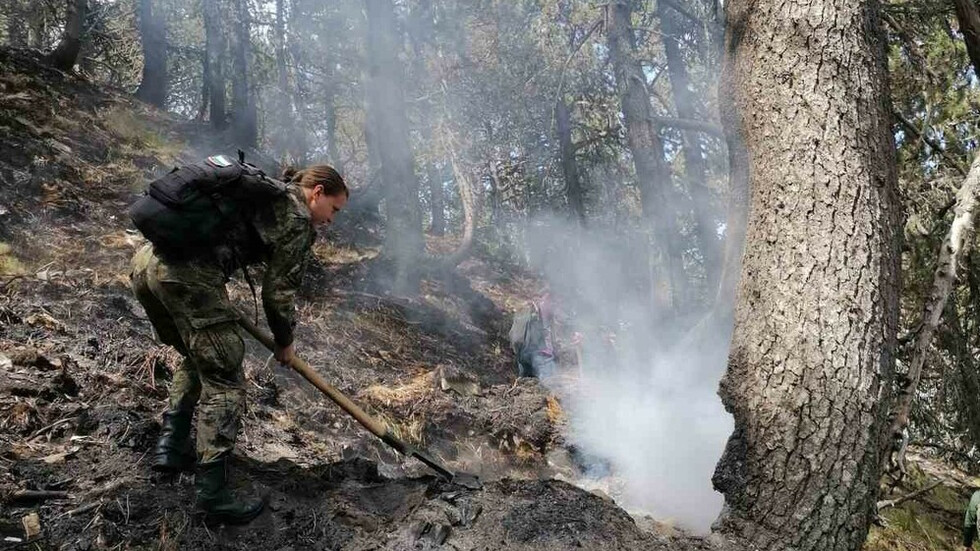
point(644, 406)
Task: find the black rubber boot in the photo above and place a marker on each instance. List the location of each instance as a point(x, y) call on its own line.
point(214, 499)
point(174, 451)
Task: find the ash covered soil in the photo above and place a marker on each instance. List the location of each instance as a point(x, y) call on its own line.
point(82, 381)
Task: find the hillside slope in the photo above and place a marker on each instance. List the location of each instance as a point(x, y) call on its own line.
point(82, 381)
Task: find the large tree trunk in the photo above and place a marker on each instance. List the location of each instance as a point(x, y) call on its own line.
point(955, 245)
point(811, 362)
point(968, 16)
point(705, 218)
point(153, 34)
point(652, 173)
point(65, 54)
point(389, 129)
point(573, 182)
point(214, 73)
point(244, 116)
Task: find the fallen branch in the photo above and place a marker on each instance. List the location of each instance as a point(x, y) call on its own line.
point(54, 425)
point(106, 489)
point(84, 508)
point(37, 495)
point(893, 502)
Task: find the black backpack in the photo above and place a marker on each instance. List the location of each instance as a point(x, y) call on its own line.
point(193, 209)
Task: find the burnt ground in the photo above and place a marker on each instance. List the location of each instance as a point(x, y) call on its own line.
point(82, 381)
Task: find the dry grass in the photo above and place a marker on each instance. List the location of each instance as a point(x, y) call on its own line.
point(410, 430)
point(556, 414)
point(20, 417)
point(331, 253)
point(415, 390)
point(10, 265)
point(172, 528)
point(133, 130)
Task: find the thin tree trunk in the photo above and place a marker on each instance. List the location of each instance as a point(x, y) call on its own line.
point(16, 30)
point(437, 201)
point(389, 128)
point(244, 116)
point(495, 200)
point(291, 136)
point(467, 197)
point(153, 35)
point(969, 379)
point(652, 173)
point(202, 111)
point(705, 218)
point(573, 183)
point(330, 121)
point(65, 54)
point(810, 368)
point(38, 29)
point(215, 48)
point(955, 245)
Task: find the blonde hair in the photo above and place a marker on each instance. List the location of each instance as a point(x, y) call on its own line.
point(310, 177)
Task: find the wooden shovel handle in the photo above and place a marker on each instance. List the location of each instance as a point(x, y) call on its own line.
point(376, 427)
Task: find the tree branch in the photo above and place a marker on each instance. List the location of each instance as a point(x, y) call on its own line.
point(690, 124)
point(920, 135)
point(954, 247)
point(913, 495)
point(681, 10)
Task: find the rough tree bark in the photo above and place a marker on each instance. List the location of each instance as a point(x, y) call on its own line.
point(706, 223)
point(153, 35)
point(573, 182)
point(214, 73)
point(812, 357)
point(244, 117)
point(65, 54)
point(652, 173)
point(968, 16)
point(388, 128)
point(955, 245)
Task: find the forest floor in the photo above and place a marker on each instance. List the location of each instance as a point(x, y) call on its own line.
point(82, 380)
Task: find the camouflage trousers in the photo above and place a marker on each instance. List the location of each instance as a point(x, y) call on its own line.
point(189, 308)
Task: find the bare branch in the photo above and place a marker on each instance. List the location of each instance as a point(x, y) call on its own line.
point(690, 124)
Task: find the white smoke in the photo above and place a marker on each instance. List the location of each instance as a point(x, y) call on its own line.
point(645, 401)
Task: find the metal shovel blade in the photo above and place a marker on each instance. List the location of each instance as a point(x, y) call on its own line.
point(465, 480)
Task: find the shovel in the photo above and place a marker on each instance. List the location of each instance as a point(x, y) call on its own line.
point(376, 427)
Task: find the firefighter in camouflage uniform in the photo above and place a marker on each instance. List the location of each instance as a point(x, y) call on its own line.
point(186, 301)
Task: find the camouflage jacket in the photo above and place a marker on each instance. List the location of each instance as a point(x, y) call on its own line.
point(279, 236)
